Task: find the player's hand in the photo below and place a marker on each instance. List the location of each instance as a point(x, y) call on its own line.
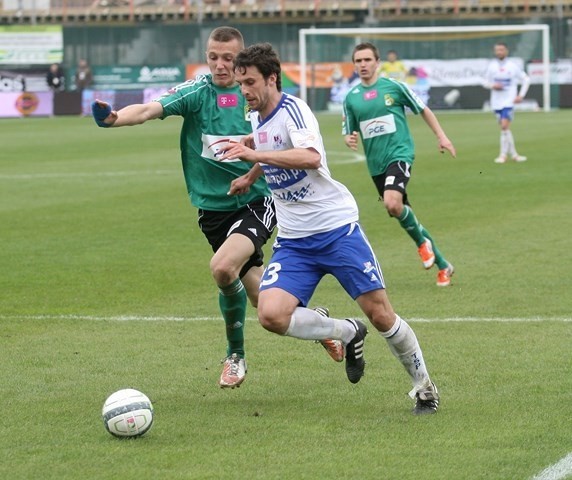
point(239, 186)
point(518, 99)
point(237, 151)
point(446, 144)
point(498, 86)
point(352, 140)
point(248, 141)
point(103, 114)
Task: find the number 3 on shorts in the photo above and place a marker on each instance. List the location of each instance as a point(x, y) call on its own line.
point(270, 274)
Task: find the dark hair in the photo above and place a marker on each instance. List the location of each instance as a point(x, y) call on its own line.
point(366, 46)
point(501, 44)
point(226, 34)
point(264, 58)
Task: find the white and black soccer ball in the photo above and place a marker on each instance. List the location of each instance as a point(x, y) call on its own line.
point(127, 413)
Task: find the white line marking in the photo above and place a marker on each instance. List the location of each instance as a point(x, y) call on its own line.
point(560, 470)
point(345, 157)
point(33, 176)
point(168, 318)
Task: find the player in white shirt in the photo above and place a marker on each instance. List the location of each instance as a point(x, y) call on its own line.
point(503, 77)
point(319, 232)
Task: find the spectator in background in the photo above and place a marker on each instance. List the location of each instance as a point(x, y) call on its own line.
point(393, 68)
point(83, 77)
point(55, 78)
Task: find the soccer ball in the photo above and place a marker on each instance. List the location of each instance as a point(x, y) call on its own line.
point(127, 413)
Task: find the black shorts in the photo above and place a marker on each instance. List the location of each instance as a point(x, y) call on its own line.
point(396, 177)
point(255, 221)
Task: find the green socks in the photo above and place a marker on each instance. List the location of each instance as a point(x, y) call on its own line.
point(232, 301)
point(409, 223)
point(418, 233)
point(439, 258)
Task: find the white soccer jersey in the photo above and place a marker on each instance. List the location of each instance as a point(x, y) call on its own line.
point(510, 75)
point(307, 201)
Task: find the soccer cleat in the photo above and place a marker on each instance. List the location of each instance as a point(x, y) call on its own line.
point(355, 363)
point(335, 348)
point(519, 158)
point(444, 276)
point(233, 371)
point(500, 159)
point(426, 253)
point(426, 400)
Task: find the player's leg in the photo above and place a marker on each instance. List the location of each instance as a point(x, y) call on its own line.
point(251, 282)
point(286, 288)
point(446, 269)
point(237, 239)
point(403, 343)
point(392, 189)
point(504, 145)
point(511, 148)
point(367, 287)
point(226, 265)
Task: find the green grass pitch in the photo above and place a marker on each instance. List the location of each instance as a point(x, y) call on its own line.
point(105, 284)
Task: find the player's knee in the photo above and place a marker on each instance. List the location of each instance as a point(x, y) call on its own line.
point(394, 208)
point(273, 319)
point(223, 271)
point(383, 319)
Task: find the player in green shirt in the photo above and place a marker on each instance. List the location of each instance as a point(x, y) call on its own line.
point(236, 226)
point(375, 110)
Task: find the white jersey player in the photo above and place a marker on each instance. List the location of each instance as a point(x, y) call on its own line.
point(319, 233)
point(311, 201)
point(503, 77)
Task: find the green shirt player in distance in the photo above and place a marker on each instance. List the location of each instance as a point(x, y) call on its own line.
point(214, 115)
point(375, 111)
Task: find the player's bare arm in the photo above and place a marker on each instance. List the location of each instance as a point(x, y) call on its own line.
point(351, 140)
point(300, 158)
point(135, 114)
point(242, 184)
point(444, 142)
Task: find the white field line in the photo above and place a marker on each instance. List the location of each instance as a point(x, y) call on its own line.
point(167, 318)
point(336, 157)
point(559, 471)
point(344, 157)
point(56, 175)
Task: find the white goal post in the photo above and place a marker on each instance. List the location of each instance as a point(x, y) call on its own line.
point(360, 33)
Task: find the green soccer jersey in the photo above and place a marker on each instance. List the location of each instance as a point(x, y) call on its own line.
point(213, 117)
point(377, 112)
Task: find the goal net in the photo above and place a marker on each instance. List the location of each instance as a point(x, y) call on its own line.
point(444, 65)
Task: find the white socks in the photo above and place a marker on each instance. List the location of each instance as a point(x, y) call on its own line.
point(404, 345)
point(308, 324)
point(507, 144)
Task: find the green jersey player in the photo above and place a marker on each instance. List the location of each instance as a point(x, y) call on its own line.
point(214, 115)
point(375, 110)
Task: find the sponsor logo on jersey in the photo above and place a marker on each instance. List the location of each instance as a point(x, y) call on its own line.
point(262, 137)
point(213, 144)
point(226, 100)
point(375, 127)
point(278, 143)
point(282, 177)
point(370, 95)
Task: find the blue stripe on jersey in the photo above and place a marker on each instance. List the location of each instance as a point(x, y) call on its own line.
point(294, 111)
point(272, 113)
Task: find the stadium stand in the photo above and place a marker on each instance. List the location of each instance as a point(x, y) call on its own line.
point(58, 11)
